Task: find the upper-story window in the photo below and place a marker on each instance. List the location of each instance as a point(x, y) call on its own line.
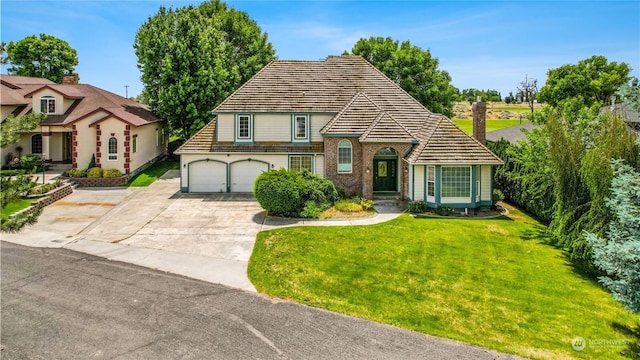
point(243, 127)
point(301, 127)
point(344, 156)
point(48, 104)
point(112, 150)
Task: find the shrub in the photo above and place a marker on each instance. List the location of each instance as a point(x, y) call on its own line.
point(348, 205)
point(497, 195)
point(94, 172)
point(444, 210)
point(76, 173)
point(12, 172)
point(366, 204)
point(30, 161)
point(287, 192)
point(92, 162)
point(312, 209)
point(417, 207)
point(111, 173)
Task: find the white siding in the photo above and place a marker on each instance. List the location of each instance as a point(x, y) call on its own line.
point(485, 180)
point(318, 121)
point(225, 125)
point(319, 165)
point(272, 127)
point(418, 182)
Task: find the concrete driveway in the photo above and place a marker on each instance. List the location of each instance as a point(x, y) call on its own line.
point(208, 237)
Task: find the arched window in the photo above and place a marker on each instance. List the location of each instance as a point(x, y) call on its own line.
point(344, 157)
point(112, 151)
point(48, 104)
point(36, 144)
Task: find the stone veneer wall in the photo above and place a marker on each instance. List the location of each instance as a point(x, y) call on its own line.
point(48, 199)
point(100, 182)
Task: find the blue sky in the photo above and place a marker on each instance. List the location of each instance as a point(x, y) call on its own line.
point(482, 44)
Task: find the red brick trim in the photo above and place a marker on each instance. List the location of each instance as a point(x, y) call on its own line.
point(74, 146)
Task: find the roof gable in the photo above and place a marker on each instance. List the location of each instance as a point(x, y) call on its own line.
point(354, 118)
point(386, 129)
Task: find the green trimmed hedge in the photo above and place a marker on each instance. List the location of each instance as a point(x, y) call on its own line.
point(294, 193)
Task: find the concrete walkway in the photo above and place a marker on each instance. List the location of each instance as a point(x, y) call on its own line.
point(206, 237)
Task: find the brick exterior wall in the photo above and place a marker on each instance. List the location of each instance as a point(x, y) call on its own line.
point(74, 147)
point(127, 149)
point(359, 181)
point(479, 110)
point(98, 145)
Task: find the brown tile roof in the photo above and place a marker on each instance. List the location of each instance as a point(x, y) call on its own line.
point(366, 103)
point(88, 100)
point(448, 144)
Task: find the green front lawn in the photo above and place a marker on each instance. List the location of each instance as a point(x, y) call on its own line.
point(14, 207)
point(152, 173)
point(494, 283)
point(467, 124)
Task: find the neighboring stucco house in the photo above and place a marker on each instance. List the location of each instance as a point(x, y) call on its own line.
point(343, 119)
point(82, 121)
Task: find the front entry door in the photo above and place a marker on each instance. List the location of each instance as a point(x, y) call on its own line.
point(66, 147)
point(384, 175)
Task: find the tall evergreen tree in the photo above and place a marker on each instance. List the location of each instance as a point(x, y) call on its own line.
point(618, 252)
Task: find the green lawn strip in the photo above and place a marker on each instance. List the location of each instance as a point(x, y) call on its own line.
point(16, 206)
point(152, 173)
point(494, 283)
point(467, 124)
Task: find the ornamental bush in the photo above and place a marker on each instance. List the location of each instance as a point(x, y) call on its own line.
point(288, 192)
point(94, 172)
point(111, 173)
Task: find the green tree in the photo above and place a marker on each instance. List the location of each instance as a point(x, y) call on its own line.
point(192, 58)
point(11, 189)
point(630, 94)
point(45, 56)
point(592, 81)
point(12, 127)
point(618, 252)
point(413, 69)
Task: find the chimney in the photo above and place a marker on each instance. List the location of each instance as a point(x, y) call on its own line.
point(479, 110)
point(70, 79)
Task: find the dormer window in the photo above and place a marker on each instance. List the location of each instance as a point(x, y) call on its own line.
point(300, 128)
point(244, 128)
point(48, 104)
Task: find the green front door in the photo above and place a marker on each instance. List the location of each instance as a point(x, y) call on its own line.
point(384, 175)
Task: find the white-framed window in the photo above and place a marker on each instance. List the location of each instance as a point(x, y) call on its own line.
point(299, 162)
point(431, 181)
point(36, 144)
point(134, 144)
point(243, 127)
point(157, 137)
point(112, 149)
point(456, 181)
point(300, 127)
point(344, 157)
point(48, 104)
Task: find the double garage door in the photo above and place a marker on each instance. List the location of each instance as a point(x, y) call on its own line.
point(215, 176)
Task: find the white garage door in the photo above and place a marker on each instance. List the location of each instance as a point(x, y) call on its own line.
point(207, 177)
point(244, 174)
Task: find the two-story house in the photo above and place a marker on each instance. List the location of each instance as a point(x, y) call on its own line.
point(82, 121)
point(343, 119)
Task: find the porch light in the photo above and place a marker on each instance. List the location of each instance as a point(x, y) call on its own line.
point(406, 169)
point(368, 170)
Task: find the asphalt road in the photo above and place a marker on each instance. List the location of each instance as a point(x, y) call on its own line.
point(61, 304)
